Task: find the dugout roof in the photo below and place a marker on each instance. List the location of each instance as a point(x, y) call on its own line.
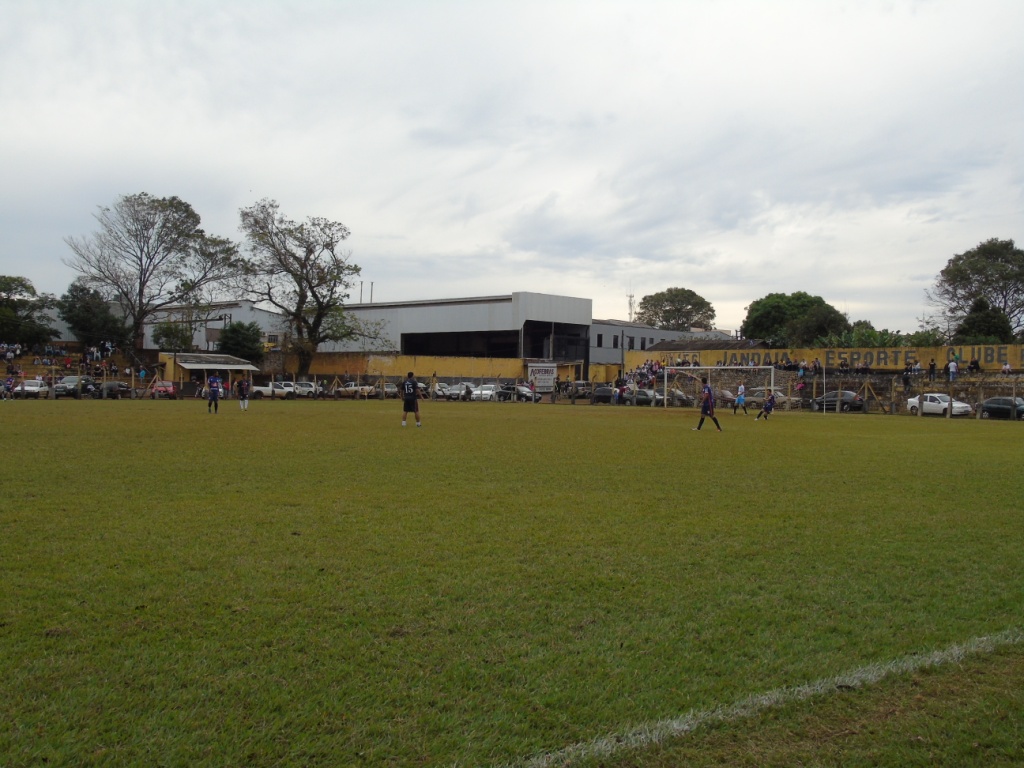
point(193, 362)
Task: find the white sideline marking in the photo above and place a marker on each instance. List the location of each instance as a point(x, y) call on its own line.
point(657, 732)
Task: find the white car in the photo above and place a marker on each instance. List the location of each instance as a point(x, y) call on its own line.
point(938, 403)
point(31, 388)
point(304, 388)
point(485, 392)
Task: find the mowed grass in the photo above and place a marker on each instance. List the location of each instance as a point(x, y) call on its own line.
point(308, 583)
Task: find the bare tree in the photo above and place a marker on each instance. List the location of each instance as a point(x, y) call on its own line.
point(150, 253)
point(992, 270)
point(297, 268)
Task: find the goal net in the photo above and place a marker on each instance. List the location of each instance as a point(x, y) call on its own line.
point(686, 379)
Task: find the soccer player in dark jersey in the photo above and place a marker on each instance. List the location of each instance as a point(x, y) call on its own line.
point(767, 407)
point(242, 385)
point(411, 398)
point(213, 395)
point(707, 406)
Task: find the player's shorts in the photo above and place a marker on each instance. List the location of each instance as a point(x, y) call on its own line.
point(741, 399)
point(706, 409)
point(409, 406)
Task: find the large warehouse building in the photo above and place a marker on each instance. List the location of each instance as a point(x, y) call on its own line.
point(521, 325)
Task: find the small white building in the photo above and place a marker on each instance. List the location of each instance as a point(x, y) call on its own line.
point(611, 339)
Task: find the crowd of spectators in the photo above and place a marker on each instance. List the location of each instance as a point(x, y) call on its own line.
point(644, 376)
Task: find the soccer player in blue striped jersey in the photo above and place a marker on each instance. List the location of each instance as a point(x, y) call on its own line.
point(707, 406)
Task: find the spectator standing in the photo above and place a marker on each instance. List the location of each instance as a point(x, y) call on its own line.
point(952, 370)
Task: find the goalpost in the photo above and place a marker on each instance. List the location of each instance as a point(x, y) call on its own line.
point(695, 372)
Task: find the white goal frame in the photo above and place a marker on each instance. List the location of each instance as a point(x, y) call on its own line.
point(675, 370)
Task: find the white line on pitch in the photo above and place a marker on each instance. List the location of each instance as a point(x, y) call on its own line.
point(661, 730)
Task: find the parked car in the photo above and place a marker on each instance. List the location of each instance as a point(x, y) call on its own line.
point(163, 389)
point(643, 397)
point(755, 397)
point(603, 395)
point(485, 392)
point(305, 389)
point(73, 386)
point(676, 396)
point(115, 390)
point(390, 390)
point(352, 389)
point(583, 388)
point(848, 401)
point(458, 391)
point(31, 388)
point(1003, 408)
point(440, 391)
point(279, 390)
point(521, 392)
point(938, 403)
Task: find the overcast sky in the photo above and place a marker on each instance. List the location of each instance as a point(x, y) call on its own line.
point(592, 149)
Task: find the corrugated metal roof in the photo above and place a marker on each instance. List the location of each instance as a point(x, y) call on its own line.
point(697, 345)
point(191, 361)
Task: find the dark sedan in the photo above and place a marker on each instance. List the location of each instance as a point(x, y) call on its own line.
point(518, 393)
point(114, 390)
point(1003, 408)
point(848, 401)
point(643, 397)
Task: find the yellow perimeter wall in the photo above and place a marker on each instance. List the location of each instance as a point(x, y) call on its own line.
point(991, 357)
point(372, 366)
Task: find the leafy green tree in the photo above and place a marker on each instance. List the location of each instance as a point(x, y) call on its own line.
point(930, 337)
point(994, 271)
point(90, 317)
point(148, 254)
point(820, 320)
point(863, 334)
point(244, 340)
point(298, 268)
point(676, 309)
point(984, 324)
point(795, 319)
point(173, 337)
point(22, 318)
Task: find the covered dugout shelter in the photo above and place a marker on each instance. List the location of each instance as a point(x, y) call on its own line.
point(182, 366)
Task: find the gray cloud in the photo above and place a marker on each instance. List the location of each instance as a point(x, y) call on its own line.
point(596, 149)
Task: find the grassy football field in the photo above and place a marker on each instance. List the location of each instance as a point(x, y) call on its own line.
point(308, 583)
